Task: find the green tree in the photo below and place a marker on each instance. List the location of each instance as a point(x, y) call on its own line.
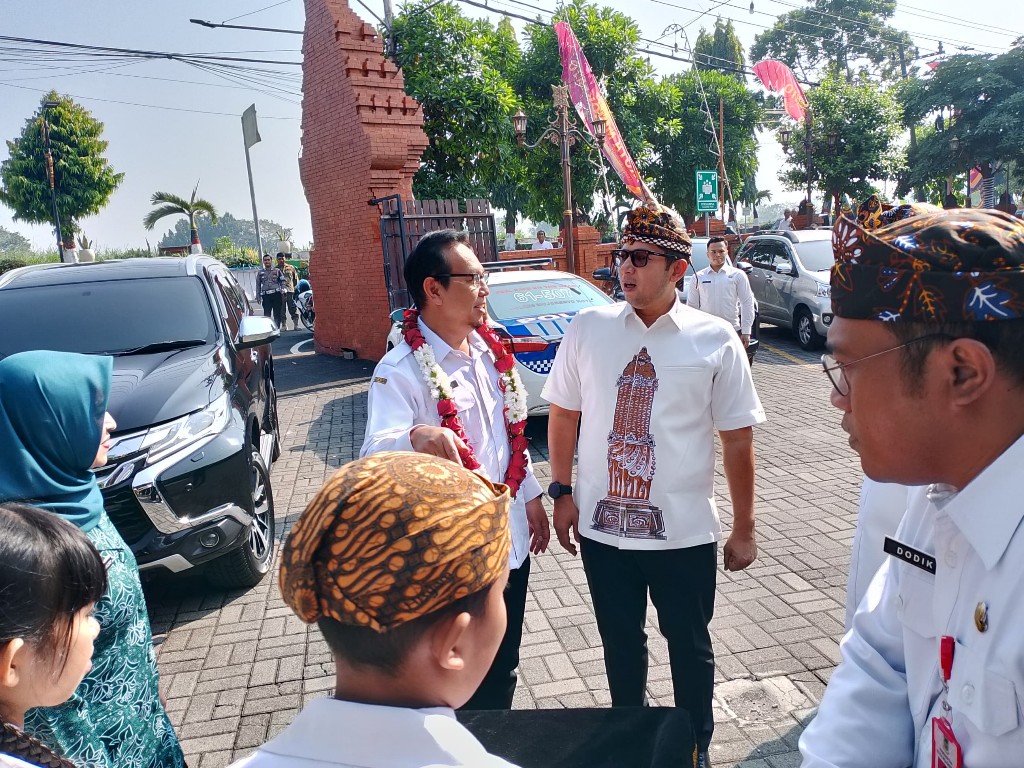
point(986, 94)
point(853, 136)
point(12, 243)
point(609, 40)
point(172, 205)
point(83, 177)
point(720, 50)
point(682, 141)
point(241, 232)
point(849, 35)
point(449, 63)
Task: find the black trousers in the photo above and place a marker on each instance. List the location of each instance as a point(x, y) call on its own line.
point(682, 587)
point(273, 306)
point(499, 685)
point(288, 306)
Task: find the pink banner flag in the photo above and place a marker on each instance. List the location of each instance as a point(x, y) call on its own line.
point(591, 105)
point(778, 78)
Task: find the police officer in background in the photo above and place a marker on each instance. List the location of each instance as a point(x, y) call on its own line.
point(927, 363)
point(723, 290)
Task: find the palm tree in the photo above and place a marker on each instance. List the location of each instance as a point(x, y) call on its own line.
point(172, 204)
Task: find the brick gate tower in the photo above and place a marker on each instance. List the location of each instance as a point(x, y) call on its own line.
point(362, 138)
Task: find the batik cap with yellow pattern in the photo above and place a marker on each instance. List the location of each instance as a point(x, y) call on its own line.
point(394, 537)
point(919, 263)
point(657, 225)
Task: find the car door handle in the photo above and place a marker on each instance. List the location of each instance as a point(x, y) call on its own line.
point(769, 279)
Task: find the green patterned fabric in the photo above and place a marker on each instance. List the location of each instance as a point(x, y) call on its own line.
point(115, 718)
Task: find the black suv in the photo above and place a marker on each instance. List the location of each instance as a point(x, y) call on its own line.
point(188, 480)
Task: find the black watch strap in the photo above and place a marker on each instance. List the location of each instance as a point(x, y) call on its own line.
point(556, 489)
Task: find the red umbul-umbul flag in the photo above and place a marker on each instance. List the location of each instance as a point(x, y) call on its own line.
point(779, 78)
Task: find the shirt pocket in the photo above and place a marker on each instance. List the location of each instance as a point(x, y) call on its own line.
point(982, 695)
point(915, 601)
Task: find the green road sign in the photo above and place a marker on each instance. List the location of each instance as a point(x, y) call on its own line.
point(707, 191)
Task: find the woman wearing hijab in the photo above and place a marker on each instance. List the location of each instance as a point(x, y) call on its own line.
point(53, 430)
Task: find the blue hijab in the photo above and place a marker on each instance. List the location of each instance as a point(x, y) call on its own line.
point(51, 421)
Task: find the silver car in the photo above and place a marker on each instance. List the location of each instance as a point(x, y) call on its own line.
point(789, 277)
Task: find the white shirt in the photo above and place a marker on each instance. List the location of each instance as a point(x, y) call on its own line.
point(725, 294)
point(881, 508)
point(399, 400)
point(9, 761)
point(878, 706)
point(339, 734)
point(655, 437)
point(538, 246)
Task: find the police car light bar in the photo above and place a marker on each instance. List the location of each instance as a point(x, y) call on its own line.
point(498, 266)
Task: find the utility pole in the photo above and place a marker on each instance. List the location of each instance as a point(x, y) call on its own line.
point(918, 194)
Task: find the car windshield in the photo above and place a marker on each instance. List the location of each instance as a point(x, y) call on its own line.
point(512, 301)
point(107, 316)
point(816, 255)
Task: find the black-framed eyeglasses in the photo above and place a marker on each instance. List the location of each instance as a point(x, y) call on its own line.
point(835, 370)
point(639, 257)
point(479, 278)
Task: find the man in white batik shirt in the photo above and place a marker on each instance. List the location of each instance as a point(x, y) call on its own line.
point(652, 381)
point(449, 288)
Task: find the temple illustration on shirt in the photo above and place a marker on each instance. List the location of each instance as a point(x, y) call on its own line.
point(627, 509)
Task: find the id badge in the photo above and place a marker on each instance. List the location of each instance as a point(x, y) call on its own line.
point(946, 751)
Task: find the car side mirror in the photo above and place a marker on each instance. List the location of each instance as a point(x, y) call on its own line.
point(255, 331)
point(603, 274)
point(746, 266)
point(786, 268)
point(397, 316)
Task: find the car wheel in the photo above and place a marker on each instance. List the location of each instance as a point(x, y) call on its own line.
point(247, 565)
point(807, 335)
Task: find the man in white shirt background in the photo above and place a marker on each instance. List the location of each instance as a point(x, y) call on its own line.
point(542, 244)
point(653, 380)
point(927, 366)
point(449, 288)
point(724, 290)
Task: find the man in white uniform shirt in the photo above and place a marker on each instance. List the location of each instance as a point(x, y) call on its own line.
point(542, 244)
point(724, 291)
point(449, 288)
point(653, 380)
point(927, 366)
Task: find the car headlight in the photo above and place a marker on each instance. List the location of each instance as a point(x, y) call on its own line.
point(824, 290)
point(174, 435)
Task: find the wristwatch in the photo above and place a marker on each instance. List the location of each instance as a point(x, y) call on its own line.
point(557, 489)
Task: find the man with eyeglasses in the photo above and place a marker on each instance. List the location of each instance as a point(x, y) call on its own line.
point(926, 360)
point(648, 382)
point(448, 286)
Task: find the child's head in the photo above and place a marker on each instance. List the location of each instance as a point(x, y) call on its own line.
point(401, 559)
point(50, 577)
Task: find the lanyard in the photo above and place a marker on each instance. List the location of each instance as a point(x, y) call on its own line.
point(947, 647)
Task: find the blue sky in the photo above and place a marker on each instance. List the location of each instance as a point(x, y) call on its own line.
point(160, 145)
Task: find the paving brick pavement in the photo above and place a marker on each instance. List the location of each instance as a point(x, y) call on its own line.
point(237, 666)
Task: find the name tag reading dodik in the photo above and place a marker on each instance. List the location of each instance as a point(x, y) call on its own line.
point(908, 554)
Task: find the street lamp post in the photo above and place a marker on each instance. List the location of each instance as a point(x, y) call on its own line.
point(563, 132)
point(786, 135)
point(51, 176)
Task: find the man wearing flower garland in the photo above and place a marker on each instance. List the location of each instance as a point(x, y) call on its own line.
point(450, 389)
point(653, 380)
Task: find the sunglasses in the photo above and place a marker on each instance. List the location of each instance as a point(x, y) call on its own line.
point(639, 257)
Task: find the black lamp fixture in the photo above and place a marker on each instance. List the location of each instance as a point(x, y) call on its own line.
point(785, 134)
point(833, 139)
point(954, 143)
point(599, 130)
point(519, 126)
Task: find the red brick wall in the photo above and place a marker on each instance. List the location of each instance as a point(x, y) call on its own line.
point(361, 138)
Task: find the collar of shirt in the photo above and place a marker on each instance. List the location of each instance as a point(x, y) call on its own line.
point(442, 348)
point(725, 270)
point(986, 511)
point(346, 733)
point(675, 315)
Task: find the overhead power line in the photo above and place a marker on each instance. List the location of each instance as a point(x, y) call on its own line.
point(144, 53)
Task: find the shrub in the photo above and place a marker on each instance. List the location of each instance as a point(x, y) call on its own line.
point(7, 264)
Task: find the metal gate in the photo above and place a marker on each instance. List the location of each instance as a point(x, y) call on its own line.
point(402, 224)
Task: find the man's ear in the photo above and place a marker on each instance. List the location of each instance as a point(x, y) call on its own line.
point(446, 641)
point(972, 370)
point(678, 269)
point(11, 661)
point(432, 289)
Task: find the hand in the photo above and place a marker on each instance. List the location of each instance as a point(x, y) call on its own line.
point(540, 532)
point(745, 338)
point(740, 551)
point(567, 517)
point(437, 441)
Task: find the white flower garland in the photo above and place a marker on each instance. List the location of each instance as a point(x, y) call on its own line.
point(440, 386)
